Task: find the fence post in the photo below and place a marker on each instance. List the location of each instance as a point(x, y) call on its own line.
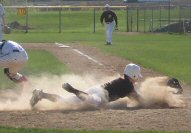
point(152, 21)
point(26, 29)
point(60, 20)
point(144, 19)
point(160, 17)
point(131, 23)
point(180, 17)
point(137, 19)
point(94, 21)
point(127, 18)
point(168, 15)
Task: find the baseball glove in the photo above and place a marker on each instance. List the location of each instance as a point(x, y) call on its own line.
point(7, 29)
point(174, 83)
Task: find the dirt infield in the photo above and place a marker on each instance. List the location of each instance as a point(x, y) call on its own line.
point(83, 60)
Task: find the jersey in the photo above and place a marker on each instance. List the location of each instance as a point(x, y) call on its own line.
point(119, 88)
point(9, 47)
point(109, 16)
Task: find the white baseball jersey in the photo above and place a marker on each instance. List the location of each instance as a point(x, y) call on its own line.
point(12, 56)
point(2, 13)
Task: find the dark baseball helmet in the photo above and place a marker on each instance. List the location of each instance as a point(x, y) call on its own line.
point(174, 83)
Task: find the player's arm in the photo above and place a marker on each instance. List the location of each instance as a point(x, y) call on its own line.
point(116, 20)
point(102, 17)
point(136, 96)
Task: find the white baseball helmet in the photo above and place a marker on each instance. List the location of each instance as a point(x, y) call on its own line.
point(133, 71)
point(107, 6)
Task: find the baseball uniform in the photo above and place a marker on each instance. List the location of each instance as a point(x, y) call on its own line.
point(110, 21)
point(13, 57)
point(2, 13)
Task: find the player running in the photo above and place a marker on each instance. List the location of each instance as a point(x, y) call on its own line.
point(13, 58)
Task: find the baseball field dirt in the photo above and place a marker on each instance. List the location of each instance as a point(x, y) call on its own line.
point(85, 60)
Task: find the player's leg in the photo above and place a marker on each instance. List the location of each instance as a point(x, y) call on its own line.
point(13, 74)
point(107, 33)
point(94, 96)
point(39, 95)
point(1, 32)
point(80, 94)
point(111, 27)
point(13, 64)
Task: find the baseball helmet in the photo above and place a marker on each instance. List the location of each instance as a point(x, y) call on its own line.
point(133, 71)
point(7, 29)
point(174, 83)
point(107, 6)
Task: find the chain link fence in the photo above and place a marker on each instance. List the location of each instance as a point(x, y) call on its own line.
point(132, 18)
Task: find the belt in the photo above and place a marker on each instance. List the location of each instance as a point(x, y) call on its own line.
point(107, 22)
point(16, 50)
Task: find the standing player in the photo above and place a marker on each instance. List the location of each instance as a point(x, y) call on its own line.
point(97, 96)
point(12, 59)
point(2, 21)
point(109, 17)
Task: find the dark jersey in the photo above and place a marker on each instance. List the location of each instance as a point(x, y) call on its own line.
point(119, 88)
point(108, 16)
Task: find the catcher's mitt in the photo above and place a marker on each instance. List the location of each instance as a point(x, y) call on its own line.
point(7, 29)
point(174, 83)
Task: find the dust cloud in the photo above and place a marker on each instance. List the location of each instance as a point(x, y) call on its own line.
point(153, 90)
point(19, 98)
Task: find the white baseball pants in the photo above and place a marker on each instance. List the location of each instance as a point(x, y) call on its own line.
point(97, 97)
point(15, 61)
point(109, 31)
point(1, 32)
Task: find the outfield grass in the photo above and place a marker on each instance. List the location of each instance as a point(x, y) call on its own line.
point(37, 130)
point(165, 53)
point(83, 20)
point(40, 61)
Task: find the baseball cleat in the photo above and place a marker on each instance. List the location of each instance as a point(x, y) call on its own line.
point(108, 43)
point(37, 96)
point(68, 88)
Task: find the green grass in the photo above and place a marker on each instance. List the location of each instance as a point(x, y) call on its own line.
point(165, 53)
point(38, 130)
point(40, 61)
point(43, 61)
point(45, 20)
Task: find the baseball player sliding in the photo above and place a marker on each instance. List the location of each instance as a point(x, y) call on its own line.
point(111, 21)
point(101, 96)
point(12, 59)
point(98, 96)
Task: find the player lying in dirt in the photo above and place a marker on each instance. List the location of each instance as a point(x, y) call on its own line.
point(101, 96)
